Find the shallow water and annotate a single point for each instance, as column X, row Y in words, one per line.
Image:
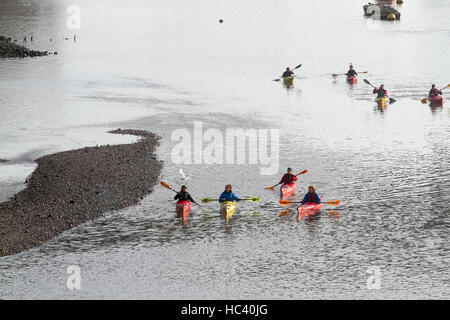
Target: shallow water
column 162, row 65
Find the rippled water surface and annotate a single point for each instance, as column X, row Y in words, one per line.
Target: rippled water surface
column 161, row 65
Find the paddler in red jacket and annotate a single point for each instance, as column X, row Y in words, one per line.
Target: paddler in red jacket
column 434, row 91
column 288, row 177
column 382, row 92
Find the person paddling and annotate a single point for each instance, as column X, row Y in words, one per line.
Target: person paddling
column 287, row 73
column 351, row 72
column 311, row 196
column 184, row 195
column 382, row 92
column 288, row 178
column 434, row 91
column 228, row 195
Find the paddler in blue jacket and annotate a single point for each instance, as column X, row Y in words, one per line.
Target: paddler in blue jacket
column 311, row 196
column 228, row 195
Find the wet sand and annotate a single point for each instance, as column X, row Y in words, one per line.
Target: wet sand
column 72, row 187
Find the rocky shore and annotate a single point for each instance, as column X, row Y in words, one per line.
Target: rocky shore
column 10, row 49
column 69, row 188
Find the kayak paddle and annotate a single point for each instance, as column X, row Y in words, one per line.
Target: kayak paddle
column 391, row 100
column 331, row 203
column 425, row 100
column 254, row 199
column 344, row 74
column 271, row 188
column 291, row 70
column 165, row 185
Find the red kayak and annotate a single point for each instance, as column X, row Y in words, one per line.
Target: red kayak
column 183, row 208
column 352, row 79
column 436, row 100
column 307, row 209
column 287, row 190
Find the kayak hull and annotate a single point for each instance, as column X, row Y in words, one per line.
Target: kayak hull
column 227, row 209
column 289, row 81
column 436, row 100
column 352, row 79
column 308, row 209
column 183, row 208
column 287, row 190
column 382, row 102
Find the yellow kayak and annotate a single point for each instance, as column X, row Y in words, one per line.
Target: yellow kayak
column 382, row 102
column 289, row 81
column 227, row 209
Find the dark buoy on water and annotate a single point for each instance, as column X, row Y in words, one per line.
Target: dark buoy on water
column 221, row 20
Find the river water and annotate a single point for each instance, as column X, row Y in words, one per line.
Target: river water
column 163, row 65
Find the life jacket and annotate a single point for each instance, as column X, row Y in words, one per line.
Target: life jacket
column 288, row 178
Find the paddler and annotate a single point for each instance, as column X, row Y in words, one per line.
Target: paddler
column 184, row 195
column 228, row 195
column 351, row 72
column 382, row 92
column 311, row 196
column 288, row 178
column 434, row 91
column 288, row 73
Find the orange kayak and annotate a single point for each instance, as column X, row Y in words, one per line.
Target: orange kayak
column 307, row 209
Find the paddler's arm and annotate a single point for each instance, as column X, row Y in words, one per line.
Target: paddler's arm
column 191, row 199
column 176, row 196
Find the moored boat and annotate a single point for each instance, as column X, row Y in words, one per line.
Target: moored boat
column 227, row 209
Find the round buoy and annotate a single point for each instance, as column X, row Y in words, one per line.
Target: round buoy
column 391, row 17
column 221, row 21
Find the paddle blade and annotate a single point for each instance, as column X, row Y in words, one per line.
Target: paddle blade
column 284, row 202
column 276, row 79
column 367, row 81
column 298, row 66
column 165, row 185
column 270, row 188
column 392, row 100
column 254, row 199
column 206, row 200
column 333, row 202
column 303, row 172
column 424, row 100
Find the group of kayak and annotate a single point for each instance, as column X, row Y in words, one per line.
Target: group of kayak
column 434, row 96
column 311, row 201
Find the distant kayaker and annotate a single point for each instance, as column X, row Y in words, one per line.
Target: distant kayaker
column 382, row 92
column 434, row 91
column 288, row 178
column 287, row 73
column 228, row 195
column 311, row 196
column 184, row 195
column 351, row 72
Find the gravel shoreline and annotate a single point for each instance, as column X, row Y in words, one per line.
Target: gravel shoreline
column 72, row 187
